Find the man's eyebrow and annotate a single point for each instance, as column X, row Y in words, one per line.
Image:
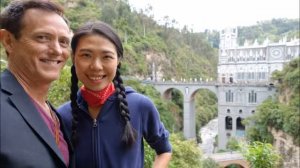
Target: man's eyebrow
column 66, row 38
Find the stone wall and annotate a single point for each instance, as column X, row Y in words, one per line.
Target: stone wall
column 289, row 151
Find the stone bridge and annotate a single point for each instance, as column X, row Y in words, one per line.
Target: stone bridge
column 189, row 89
column 229, row 158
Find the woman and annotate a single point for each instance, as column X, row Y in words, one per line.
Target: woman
column 107, row 122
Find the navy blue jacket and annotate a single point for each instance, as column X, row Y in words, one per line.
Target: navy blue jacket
column 99, row 142
column 25, row 140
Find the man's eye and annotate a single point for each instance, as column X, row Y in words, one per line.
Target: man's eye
column 42, row 38
column 64, row 43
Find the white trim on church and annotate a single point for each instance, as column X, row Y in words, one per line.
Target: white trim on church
column 252, row 63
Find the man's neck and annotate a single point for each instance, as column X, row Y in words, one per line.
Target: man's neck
column 35, row 89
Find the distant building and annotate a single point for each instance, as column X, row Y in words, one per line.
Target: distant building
column 244, row 76
column 252, row 63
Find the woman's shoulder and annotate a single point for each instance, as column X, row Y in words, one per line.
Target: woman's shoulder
column 65, row 110
column 137, row 98
column 130, row 92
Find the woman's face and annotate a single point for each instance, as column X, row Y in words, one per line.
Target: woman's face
column 96, row 61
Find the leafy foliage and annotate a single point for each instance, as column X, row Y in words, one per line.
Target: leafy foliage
column 232, row 144
column 83, row 11
column 60, row 89
column 141, row 34
column 3, row 63
column 185, row 153
column 206, row 108
column 149, row 155
column 261, row 155
column 4, row 3
column 209, row 163
column 282, row 112
column 274, row 30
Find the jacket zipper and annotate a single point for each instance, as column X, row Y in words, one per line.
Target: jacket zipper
column 95, row 143
column 95, row 123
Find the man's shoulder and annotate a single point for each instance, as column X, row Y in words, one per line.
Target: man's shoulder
column 9, row 83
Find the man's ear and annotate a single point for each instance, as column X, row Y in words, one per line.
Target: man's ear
column 7, row 40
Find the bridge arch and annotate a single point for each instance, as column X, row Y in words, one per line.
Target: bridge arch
column 233, row 100
column 167, row 94
column 241, row 163
column 230, row 158
column 188, row 91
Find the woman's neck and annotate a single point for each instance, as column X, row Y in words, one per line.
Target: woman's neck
column 94, row 111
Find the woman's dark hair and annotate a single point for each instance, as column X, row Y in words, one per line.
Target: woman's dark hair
column 12, row 16
column 102, row 29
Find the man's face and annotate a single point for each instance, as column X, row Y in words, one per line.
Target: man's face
column 42, row 49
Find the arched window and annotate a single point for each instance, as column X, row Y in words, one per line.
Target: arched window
column 252, row 97
column 228, row 123
column 229, row 96
column 231, row 79
column 239, row 125
column 223, row 78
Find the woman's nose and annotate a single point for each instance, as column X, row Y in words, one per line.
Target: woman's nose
column 96, row 64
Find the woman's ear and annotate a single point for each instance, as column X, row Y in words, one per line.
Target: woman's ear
column 73, row 58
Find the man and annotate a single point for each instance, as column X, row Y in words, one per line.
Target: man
column 36, row 39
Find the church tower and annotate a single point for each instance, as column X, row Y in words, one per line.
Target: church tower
column 228, row 40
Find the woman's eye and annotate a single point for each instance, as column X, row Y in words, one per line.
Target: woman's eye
column 86, row 55
column 108, row 57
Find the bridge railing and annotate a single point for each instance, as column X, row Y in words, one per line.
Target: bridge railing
column 210, row 83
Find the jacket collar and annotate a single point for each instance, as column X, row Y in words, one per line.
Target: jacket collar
column 23, row 104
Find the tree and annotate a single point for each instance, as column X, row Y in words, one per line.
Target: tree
column 282, row 111
column 185, row 153
column 232, row 144
column 209, row 163
column 60, row 89
column 261, row 155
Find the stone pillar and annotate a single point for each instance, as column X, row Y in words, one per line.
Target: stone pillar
column 221, row 131
column 233, row 133
column 189, row 126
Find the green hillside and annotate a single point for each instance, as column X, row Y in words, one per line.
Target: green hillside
column 176, row 53
column 281, row 112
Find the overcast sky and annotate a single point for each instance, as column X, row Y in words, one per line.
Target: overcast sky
column 219, row 14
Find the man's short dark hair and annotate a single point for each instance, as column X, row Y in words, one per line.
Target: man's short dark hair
column 12, row 16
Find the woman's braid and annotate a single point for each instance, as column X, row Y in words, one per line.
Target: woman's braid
column 74, row 105
column 129, row 135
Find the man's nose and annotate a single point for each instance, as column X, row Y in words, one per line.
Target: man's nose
column 56, row 48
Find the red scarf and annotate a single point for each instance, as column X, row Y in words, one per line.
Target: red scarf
column 97, row 98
